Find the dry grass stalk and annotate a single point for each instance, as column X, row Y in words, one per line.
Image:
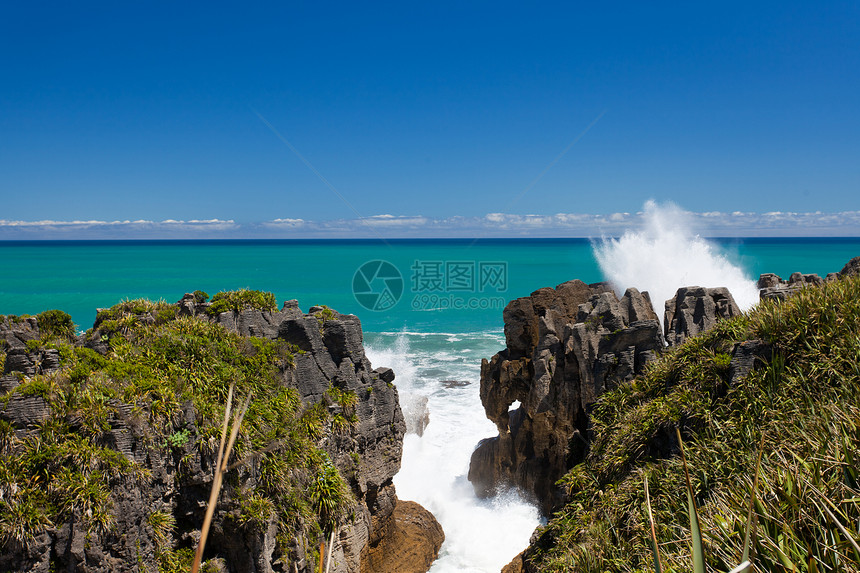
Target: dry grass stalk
column 220, row 469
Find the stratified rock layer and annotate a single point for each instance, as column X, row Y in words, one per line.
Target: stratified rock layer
column 693, row 310
column 565, row 347
column 771, row 286
column 851, row 268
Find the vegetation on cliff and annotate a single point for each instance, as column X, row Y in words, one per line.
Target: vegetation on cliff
column 803, row 396
column 167, row 376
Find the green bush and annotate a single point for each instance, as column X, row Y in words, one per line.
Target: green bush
column 242, row 299
column 55, row 324
column 124, row 317
column 179, row 438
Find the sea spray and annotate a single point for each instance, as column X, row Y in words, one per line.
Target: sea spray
column 481, row 536
column 664, row 255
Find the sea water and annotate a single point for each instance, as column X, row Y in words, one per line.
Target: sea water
column 439, row 318
column 443, row 368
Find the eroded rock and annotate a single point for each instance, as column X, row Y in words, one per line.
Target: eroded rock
column 566, row 346
column 772, row 286
column 410, row 545
column 693, row 310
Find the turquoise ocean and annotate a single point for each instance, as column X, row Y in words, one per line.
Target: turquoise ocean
column 438, row 312
column 80, row 276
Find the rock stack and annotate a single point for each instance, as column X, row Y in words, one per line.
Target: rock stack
column 565, row 347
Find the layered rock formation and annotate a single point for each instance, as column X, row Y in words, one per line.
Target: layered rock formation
column 565, row 347
column 851, row 268
column 694, row 310
column 557, row 371
column 772, row 286
column 577, row 538
column 328, row 353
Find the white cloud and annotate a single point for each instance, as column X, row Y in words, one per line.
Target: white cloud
column 95, row 229
column 285, row 223
column 399, row 221
column 710, row 224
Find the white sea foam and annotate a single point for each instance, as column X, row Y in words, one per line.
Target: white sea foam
column 481, row 536
column 666, row 254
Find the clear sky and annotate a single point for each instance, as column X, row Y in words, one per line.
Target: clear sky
column 227, row 116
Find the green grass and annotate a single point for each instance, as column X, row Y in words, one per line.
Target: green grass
column 806, row 399
column 156, row 363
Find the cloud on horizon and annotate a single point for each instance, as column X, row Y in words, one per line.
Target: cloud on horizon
column 491, row 225
column 139, row 229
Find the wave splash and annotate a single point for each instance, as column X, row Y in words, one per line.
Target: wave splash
column 665, row 255
column 440, row 379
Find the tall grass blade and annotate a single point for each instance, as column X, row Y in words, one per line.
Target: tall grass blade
column 749, row 526
column 839, row 525
column 658, row 566
column 698, row 548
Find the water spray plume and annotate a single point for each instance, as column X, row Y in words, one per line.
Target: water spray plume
column 664, row 255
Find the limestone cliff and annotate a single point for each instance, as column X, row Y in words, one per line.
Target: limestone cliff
column 565, row 347
column 160, row 449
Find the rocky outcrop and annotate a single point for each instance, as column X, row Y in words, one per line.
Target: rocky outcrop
column 851, row 268
column 410, row 543
column 328, row 353
column 771, row 286
column 548, row 433
column 565, row 347
column 21, row 359
column 694, row 310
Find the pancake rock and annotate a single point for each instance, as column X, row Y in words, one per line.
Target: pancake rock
column 693, row 310
column 565, row 347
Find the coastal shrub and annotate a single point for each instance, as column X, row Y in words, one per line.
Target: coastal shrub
column 200, row 296
column 803, row 398
column 255, row 509
column 124, row 317
column 329, row 495
column 242, row 299
column 53, row 474
column 323, row 316
column 179, row 438
column 55, row 324
column 175, row 560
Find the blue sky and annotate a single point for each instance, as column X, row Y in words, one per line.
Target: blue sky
column 429, row 119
